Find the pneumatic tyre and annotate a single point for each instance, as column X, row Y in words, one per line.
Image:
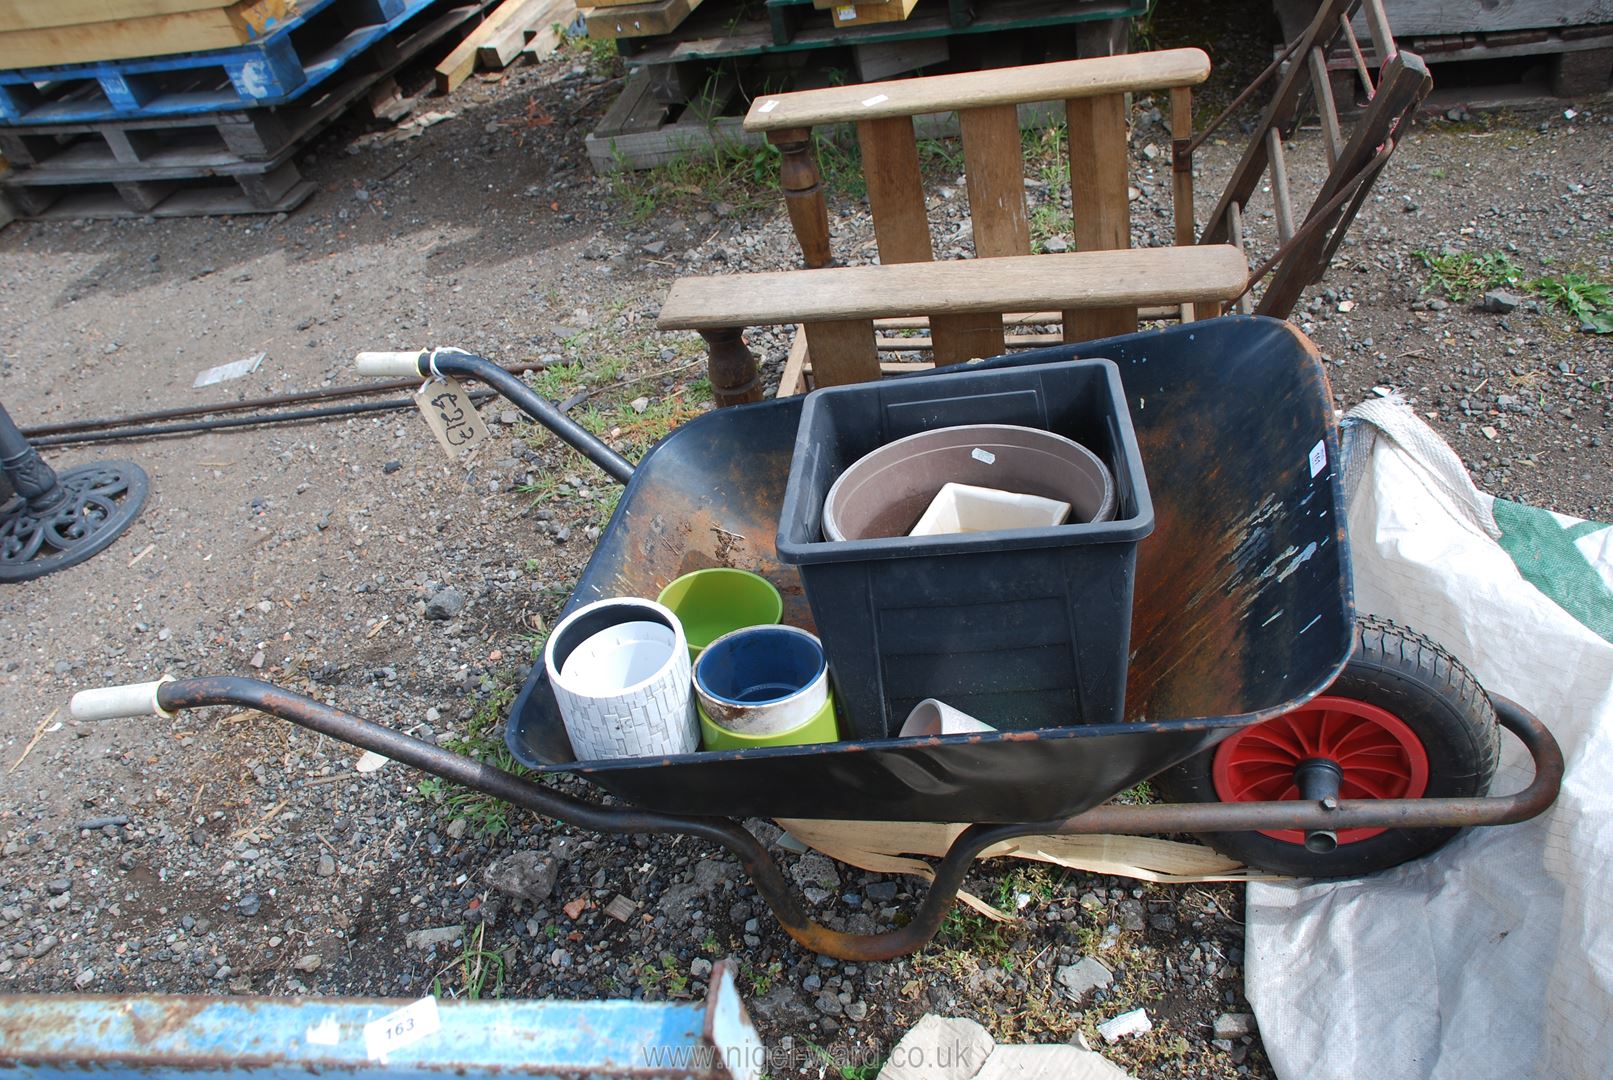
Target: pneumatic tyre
column 1404, row 719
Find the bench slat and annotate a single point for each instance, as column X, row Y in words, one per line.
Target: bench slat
column 1070, row 282
column 1059, row 81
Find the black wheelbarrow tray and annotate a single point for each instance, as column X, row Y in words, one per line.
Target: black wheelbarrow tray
column 1242, row 611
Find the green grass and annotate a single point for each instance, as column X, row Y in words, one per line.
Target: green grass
column 600, row 54
column 480, row 971
column 667, row 976
column 482, row 739
column 1463, row 275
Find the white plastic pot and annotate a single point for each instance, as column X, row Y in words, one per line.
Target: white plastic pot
column 620, row 673
column 932, row 717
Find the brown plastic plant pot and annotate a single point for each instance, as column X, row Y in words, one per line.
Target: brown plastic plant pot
column 884, row 493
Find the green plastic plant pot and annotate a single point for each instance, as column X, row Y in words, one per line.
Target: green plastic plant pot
column 821, row 728
column 714, row 602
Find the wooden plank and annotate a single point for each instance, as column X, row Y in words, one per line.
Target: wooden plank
column 842, row 350
column 869, row 14
column 1096, row 77
column 1099, row 203
column 792, row 380
column 918, row 344
column 994, row 168
column 457, row 66
column 890, row 163
column 499, row 51
column 882, row 59
column 1326, row 107
column 1281, row 200
column 157, row 35
column 1078, row 280
column 34, row 15
column 638, row 20
column 901, row 225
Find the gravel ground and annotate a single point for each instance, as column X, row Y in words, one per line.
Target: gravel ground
column 221, row 852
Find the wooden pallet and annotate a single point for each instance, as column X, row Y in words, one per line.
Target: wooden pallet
column 238, row 162
column 714, row 34
column 649, row 19
column 274, row 71
column 265, row 193
column 1562, row 60
column 154, row 29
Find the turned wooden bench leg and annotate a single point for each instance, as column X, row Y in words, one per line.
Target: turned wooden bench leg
column 731, row 367
column 803, row 194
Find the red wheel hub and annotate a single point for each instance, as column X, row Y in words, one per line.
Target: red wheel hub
column 1380, row 757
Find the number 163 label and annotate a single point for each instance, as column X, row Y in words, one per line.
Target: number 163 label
column 400, row 1028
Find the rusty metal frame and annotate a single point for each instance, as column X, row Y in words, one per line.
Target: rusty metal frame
column 1305, row 249
column 769, row 879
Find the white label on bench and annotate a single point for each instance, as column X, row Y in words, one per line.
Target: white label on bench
column 400, row 1028
column 767, row 106
column 1318, row 458
column 875, row 100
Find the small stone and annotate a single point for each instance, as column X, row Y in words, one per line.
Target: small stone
column 856, row 1010
column 699, row 967
column 391, row 467
column 829, row 1005
column 1234, row 1025
column 1084, row 976
column 456, row 828
column 525, row 875
column 308, row 964
column 43, row 946
column 445, row 604
column 640, row 404
column 1500, row 302
column 249, row 904
column 655, row 247
column 1129, row 914
column 84, row 978
column 1055, row 245
column 327, row 865
column 881, row 892
column 437, row 935
column 57, row 886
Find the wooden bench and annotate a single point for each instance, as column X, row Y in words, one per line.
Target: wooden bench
column 1097, row 290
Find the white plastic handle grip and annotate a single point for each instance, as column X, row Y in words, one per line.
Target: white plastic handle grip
column 115, row 702
column 400, row 365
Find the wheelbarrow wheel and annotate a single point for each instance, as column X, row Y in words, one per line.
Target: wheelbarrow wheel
column 1404, row 719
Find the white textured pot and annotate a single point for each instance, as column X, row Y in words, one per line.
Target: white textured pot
column 620, row 673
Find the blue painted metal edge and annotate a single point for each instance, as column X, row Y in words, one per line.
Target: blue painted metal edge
column 59, row 1036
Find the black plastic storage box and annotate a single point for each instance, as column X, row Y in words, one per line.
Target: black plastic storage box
column 1022, row 629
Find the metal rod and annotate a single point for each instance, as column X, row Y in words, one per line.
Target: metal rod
column 1238, row 102
column 272, row 402
column 536, row 406
column 950, row 871
column 297, row 415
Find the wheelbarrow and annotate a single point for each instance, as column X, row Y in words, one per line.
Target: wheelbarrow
column 1242, row 615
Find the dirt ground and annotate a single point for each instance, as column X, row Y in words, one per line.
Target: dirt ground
column 347, row 559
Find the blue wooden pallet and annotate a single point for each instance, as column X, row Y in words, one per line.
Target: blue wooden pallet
column 281, row 67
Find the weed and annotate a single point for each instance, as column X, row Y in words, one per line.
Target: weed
column 1591, row 302
column 599, row 54
column 482, row 739
column 1462, row 274
column 761, row 981
column 481, row 971
column 864, row 1070
column 709, row 944
column 1436, row 173
column 667, row 975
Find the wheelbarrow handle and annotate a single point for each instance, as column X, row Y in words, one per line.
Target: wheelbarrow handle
column 446, row 361
column 166, row 697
